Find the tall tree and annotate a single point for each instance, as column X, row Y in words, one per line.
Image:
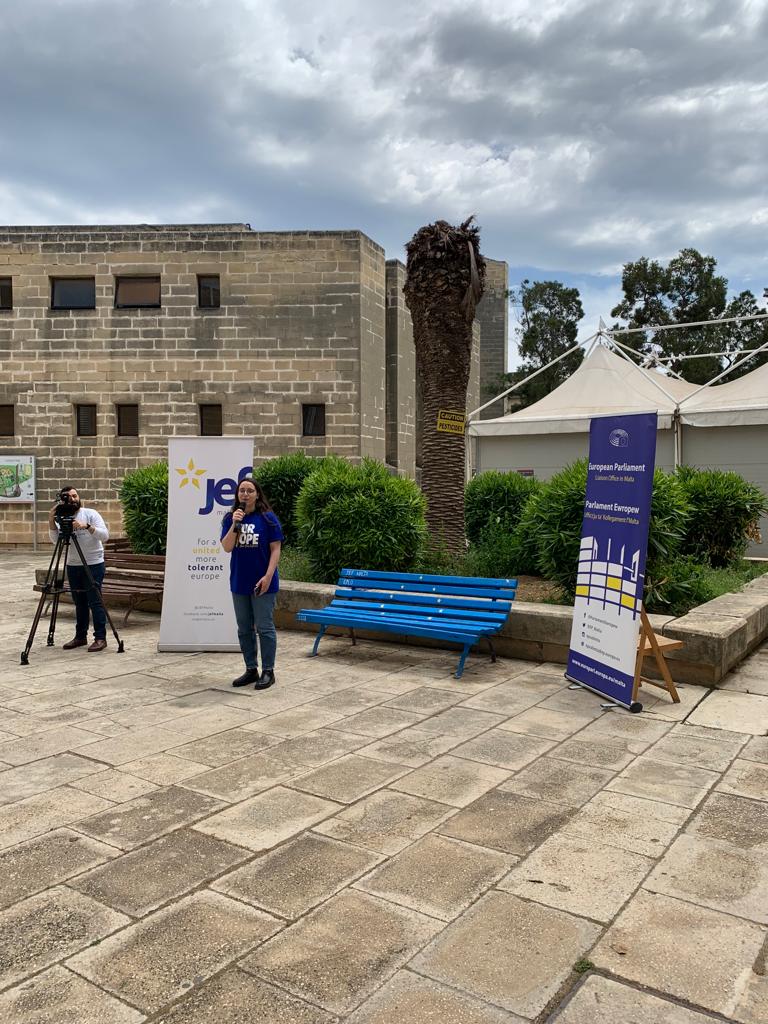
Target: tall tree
column 445, row 279
column 549, row 315
column 740, row 337
column 687, row 290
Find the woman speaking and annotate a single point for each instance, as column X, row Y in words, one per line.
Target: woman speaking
column 252, row 533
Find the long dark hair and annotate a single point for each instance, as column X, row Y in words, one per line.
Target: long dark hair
column 262, row 503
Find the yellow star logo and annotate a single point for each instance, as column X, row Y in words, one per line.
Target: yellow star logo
column 190, row 475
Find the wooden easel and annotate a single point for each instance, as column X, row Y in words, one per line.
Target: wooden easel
column 649, row 644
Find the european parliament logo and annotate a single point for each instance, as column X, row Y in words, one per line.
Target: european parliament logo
column 609, row 581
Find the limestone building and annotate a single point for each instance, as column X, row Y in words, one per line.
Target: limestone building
column 113, row 338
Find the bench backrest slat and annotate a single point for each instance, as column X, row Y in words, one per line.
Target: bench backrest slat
column 428, row 600
column 370, row 575
column 451, row 589
column 422, row 611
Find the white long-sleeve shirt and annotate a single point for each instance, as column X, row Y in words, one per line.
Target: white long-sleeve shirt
column 92, row 544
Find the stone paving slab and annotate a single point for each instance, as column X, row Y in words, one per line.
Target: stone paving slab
column 47, row 927
column 58, row 996
column 29, row 868
column 294, row 878
column 167, row 868
column 370, row 939
column 714, row 874
column 157, row 960
column 508, row 952
column 415, row 1000
column 604, row 1001
column 707, row 969
column 372, row 840
column 437, row 876
column 236, row 997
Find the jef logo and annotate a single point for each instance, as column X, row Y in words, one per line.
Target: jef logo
column 222, row 492
column 191, row 475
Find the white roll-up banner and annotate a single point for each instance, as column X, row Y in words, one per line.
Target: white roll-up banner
column 203, row 474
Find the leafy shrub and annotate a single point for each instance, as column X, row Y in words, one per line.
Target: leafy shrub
column 549, row 532
column 495, row 499
column 525, row 539
column 282, row 479
column 675, row 586
column 725, row 511
column 359, row 517
column 494, row 555
column 144, row 497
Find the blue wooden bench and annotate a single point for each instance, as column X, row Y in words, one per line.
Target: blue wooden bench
column 458, row 609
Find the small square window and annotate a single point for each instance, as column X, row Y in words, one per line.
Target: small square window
column 313, row 420
column 73, row 293
column 86, row 420
column 210, row 421
column 127, row 421
column 6, row 293
column 137, row 292
column 7, row 421
column 209, row 291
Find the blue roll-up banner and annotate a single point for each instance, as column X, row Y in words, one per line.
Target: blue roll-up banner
column 614, row 541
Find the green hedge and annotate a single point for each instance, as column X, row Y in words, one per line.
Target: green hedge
column 549, row 532
column 359, row 517
column 725, row 512
column 494, row 500
column 282, row 479
column 144, row 497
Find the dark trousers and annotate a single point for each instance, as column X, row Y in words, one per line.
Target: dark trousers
column 86, row 601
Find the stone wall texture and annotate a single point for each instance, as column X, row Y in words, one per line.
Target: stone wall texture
column 313, row 317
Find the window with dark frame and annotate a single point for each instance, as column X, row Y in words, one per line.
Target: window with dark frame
column 73, row 293
column 313, row 420
column 211, row 424
column 6, row 293
column 7, row 421
column 137, row 292
column 86, row 420
column 127, row 421
column 209, row 291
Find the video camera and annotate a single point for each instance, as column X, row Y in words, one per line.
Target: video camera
column 65, row 513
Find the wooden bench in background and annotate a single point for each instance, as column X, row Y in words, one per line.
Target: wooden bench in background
column 129, row 579
column 456, row 609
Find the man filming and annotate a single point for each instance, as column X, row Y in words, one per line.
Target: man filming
column 91, row 531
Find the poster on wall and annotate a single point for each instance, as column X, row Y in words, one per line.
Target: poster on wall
column 614, row 541
column 17, row 478
column 203, row 473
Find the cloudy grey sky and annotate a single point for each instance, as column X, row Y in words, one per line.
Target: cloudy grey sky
column 582, row 133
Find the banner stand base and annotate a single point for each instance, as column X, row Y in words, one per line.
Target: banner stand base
column 634, row 707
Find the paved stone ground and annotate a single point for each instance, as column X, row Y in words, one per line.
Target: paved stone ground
column 371, row 840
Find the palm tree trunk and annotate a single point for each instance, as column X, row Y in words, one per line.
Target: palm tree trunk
column 445, row 281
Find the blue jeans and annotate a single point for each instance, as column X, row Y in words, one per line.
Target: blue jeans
column 85, row 601
column 254, row 616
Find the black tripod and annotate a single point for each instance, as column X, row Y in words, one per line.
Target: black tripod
column 53, row 587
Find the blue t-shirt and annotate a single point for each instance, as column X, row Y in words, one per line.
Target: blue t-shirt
column 250, row 556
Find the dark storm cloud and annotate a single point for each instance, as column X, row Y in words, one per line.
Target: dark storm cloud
column 583, row 134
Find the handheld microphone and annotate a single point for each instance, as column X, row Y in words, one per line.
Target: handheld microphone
column 238, row 526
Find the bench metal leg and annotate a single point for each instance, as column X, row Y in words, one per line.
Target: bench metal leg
column 493, row 649
column 462, row 659
column 354, row 638
column 317, row 641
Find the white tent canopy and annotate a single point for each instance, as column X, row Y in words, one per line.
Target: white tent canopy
column 604, row 384
column 743, row 402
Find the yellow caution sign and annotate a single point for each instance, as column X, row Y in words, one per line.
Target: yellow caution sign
column 449, row 422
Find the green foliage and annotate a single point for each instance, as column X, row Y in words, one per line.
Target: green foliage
column 282, row 479
column 676, row 585
column 494, row 499
column 294, row 565
column 359, row 517
column 548, row 322
column 494, row 555
column 725, row 511
column 144, row 497
column 549, row 533
column 688, row 290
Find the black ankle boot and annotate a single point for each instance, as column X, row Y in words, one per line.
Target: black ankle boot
column 267, row 679
column 251, row 675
